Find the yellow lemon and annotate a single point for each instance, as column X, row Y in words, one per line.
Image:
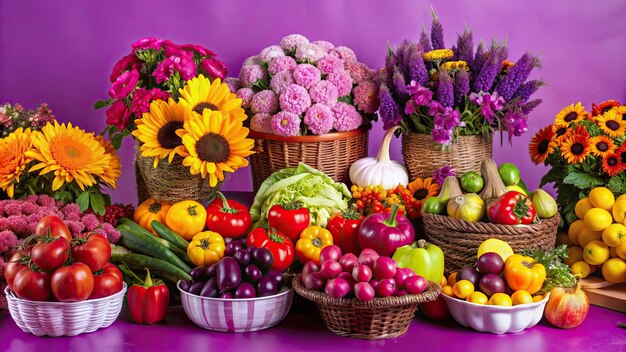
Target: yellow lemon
column 574, row 229
column 598, row 219
column 614, row 235
column 447, row 290
column 575, row 253
column 602, row 197
column 619, row 210
column 622, row 197
column 581, row 268
column 452, row 279
column 596, row 252
column 537, row 298
column 521, row 297
column 621, row 250
column 500, row 299
column 463, row 288
column 477, row 297
column 614, row 270
column 585, row 236
column 582, row 206
column 497, row 246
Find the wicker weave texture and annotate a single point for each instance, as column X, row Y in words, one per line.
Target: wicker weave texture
column 333, row 154
column 422, row 156
column 379, row 318
column 459, row 239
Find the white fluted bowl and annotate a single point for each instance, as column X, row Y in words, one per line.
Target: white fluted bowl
column 496, row 319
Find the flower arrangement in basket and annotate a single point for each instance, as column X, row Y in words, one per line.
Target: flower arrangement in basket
column 172, row 100
column 456, row 96
column 584, row 150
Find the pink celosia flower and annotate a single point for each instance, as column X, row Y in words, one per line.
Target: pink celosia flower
column 264, row 102
column 147, row 43
column 90, row 221
column 129, row 61
column 280, row 64
column 28, row 208
column 309, row 53
column 286, row 124
column 250, row 74
column 307, row 75
column 329, row 64
column 75, row 227
column 342, row 81
column 45, row 200
column 295, row 99
column 323, row 44
column 143, row 97
column 7, row 240
column 261, row 123
column 366, row 97
column 118, row 115
column 17, row 224
column 344, row 53
column 271, row 52
column 124, row 84
column 214, row 68
column 280, row 81
column 291, row 42
column 325, row 93
column 13, row 208
column 245, row 94
column 232, row 83
column 346, row 117
column 319, row 118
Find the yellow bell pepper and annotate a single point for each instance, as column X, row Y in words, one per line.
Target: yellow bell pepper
column 522, row 273
column 206, row 248
column 311, row 242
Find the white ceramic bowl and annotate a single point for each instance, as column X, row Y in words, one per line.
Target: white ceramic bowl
column 496, row 319
column 236, row 315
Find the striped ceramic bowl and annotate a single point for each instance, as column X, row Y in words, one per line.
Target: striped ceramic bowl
column 236, row 315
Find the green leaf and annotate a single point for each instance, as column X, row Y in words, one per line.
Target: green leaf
column 582, row 180
column 107, row 199
column 97, row 203
column 617, row 185
column 83, row 201
column 63, row 196
column 345, row 99
column 554, row 175
column 103, row 103
column 116, row 140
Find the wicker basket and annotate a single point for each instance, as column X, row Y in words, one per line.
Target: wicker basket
column 379, row 318
column 459, row 239
column 422, row 156
column 63, row 318
column 331, row 153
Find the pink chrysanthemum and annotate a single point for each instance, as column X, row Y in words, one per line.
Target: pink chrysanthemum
column 7, row 240
column 325, row 93
column 358, row 71
column 90, row 221
column 232, row 83
column 264, row 102
column 309, row 53
column 252, row 60
column 344, row 53
column 346, row 117
column 295, row 99
column 280, row 64
column 251, row 74
column 271, row 52
column 261, row 123
column 366, row 97
column 319, row 118
column 342, row 81
column 245, row 94
column 286, row 124
column 329, row 64
column 291, row 42
column 281, row 81
column 307, row 75
column 323, row 44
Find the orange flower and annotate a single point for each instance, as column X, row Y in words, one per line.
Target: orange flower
column 542, row 145
column 611, row 165
column 575, row 148
column 603, row 107
column 602, row 146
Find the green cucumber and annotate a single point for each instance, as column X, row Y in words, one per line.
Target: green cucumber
column 180, row 253
column 148, row 244
column 169, row 235
column 118, row 252
column 177, row 251
column 140, row 262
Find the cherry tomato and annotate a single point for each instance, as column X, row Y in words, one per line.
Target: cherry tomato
column 14, row 265
column 55, row 226
column 31, row 284
column 106, row 282
column 72, row 283
column 50, row 253
column 92, row 249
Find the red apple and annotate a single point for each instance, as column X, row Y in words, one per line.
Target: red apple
column 567, row 308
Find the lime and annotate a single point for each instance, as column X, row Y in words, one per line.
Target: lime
column 472, row 182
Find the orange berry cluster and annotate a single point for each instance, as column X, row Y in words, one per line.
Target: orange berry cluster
column 376, row 199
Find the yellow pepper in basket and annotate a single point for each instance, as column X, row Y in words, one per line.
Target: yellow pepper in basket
column 206, row 248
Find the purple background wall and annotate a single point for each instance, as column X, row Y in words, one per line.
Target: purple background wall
column 61, row 52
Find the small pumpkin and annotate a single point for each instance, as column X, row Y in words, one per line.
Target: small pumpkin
column 380, row 170
column 151, row 209
column 469, row 207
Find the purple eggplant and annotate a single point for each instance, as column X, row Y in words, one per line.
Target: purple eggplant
column 210, row 270
column 228, row 274
column 266, row 287
column 263, row 258
column 198, row 274
column 253, row 273
column 232, row 247
column 210, row 288
column 245, row 290
column 278, row 278
column 185, row 285
column 242, row 257
column 196, row 287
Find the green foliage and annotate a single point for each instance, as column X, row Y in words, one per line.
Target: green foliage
column 557, row 272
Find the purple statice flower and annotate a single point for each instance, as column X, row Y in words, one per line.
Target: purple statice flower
column 344, row 53
column 319, row 118
column 465, row 47
column 281, row 80
column 346, row 117
column 442, row 136
column 445, row 89
column 388, row 111
column 489, row 104
column 517, row 74
column 479, row 60
column 90, row 221
column 436, row 34
column 291, row 42
column 399, row 85
column 517, row 123
column 366, row 96
column 417, row 68
column 325, row 93
column 8, row 240
column 489, row 72
column 286, row 124
column 295, row 99
column 251, row 74
column 261, row 123
column 323, row 44
column 307, row 75
column 232, row 83
column 461, row 86
column 271, row 52
column 264, row 102
column 245, row 94
column 425, row 41
column 420, row 96
column 527, row 89
column 530, row 106
column 329, row 64
column 342, row 81
column 309, row 53
column 440, row 174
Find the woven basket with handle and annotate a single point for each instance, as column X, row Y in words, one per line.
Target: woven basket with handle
column 379, row 318
column 422, row 156
column 460, row 239
column 331, row 153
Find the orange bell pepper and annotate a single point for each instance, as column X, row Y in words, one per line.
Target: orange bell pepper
column 311, row 242
column 522, row 273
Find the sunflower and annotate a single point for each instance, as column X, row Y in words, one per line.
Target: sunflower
column 569, row 114
column 602, row 146
column 611, row 165
column 71, row 153
column 216, row 144
column 611, row 123
column 620, row 110
column 575, row 148
column 200, row 94
column 113, row 171
column 157, row 130
column 423, row 188
column 13, row 158
column 603, row 107
column 455, row 65
column 542, row 145
column 561, row 133
column 438, row 55
column 621, row 154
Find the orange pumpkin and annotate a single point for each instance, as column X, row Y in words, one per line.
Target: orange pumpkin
column 151, row 209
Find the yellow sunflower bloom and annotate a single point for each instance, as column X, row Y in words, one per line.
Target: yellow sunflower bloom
column 571, row 113
column 70, row 153
column 156, row 130
column 13, row 158
column 602, row 146
column 423, row 188
column 603, row 107
column 611, row 123
column 200, row 94
column 455, row 65
column 438, row 55
column 575, row 148
column 542, row 145
column 216, row 144
column 114, row 170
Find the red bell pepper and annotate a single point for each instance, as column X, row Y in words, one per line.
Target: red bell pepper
column 344, row 227
column 278, row 244
column 229, row 218
column 290, row 219
column 148, row 302
column 512, row 208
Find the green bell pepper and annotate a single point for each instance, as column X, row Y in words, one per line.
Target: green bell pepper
column 424, row 258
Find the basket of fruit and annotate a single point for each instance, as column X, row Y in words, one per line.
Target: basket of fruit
column 491, row 205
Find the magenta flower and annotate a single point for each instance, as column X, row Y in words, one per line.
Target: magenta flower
column 184, row 64
column 17, row 224
column 366, row 97
column 291, row 42
column 280, row 81
column 489, row 104
column 128, row 62
column 232, row 83
column 261, row 123
column 280, row 64
column 147, row 43
column 329, row 64
column 420, row 96
column 286, row 124
column 440, row 174
column 90, row 221
column 271, row 52
column 346, row 117
column 441, row 135
column 118, row 115
column 309, row 53
column 171, row 49
column 214, row 68
column 344, row 53
column 45, row 200
column 8, row 240
column 71, row 208
column 264, row 102
column 323, row 44
column 143, row 97
column 202, row 51
column 325, row 93
column 295, row 99
column 358, row 71
column 307, row 75
column 251, row 74
column 517, row 123
column 75, row 227
column 245, row 94
column 342, row 81
column 124, row 84
column 319, row 118
column 28, row 208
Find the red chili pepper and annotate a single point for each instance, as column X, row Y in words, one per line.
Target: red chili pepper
column 148, row 303
column 290, row 219
column 344, row 227
column 278, row 244
column 512, row 208
column 229, row 218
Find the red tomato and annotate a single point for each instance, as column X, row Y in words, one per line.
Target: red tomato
column 50, row 253
column 107, row 282
column 72, row 283
column 55, row 226
column 32, row 285
column 14, row 265
column 92, row 249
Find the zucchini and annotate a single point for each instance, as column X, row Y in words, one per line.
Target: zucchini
column 118, row 252
column 140, row 262
column 180, row 253
column 147, row 244
column 177, row 251
column 169, row 235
